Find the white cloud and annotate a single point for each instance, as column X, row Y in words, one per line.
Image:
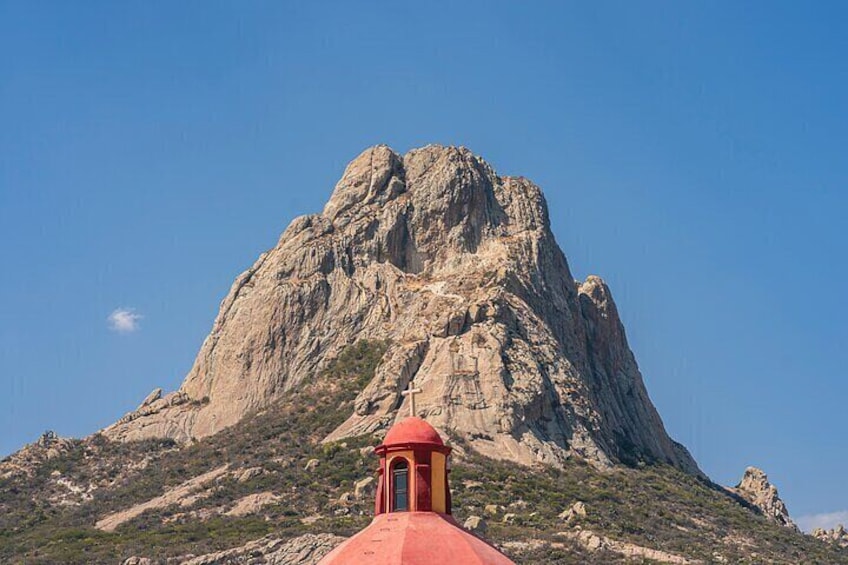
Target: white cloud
column 827, row 520
column 124, row 320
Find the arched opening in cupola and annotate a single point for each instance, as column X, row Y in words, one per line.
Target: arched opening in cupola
column 400, row 486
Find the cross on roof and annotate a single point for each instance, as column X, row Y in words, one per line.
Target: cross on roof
column 411, row 392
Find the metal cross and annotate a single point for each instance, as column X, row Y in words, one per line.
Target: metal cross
column 411, row 392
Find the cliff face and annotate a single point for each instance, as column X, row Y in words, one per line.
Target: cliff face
column 457, row 270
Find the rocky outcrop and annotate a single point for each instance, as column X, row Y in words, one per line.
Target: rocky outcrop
column 27, row 460
column 252, row 503
column 457, row 269
column 183, row 495
column 756, row 489
column 595, row 542
column 307, row 549
column 837, row 536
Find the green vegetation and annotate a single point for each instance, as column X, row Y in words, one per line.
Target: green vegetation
column 651, row 506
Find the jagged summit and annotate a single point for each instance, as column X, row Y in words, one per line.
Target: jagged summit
column 429, row 222
column 457, row 270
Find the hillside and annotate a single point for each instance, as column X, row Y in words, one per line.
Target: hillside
column 270, row 478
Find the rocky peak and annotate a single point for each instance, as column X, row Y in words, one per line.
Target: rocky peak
column 456, row 268
column 373, row 178
column 756, row 489
column 432, row 204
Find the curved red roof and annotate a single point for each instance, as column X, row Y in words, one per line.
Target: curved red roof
column 412, row 430
column 415, row 538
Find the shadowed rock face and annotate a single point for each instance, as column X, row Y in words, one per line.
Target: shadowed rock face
column 457, row 268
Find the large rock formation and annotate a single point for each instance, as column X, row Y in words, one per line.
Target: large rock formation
column 756, row 489
column 457, row 269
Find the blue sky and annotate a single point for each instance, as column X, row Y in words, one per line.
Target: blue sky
column 692, row 155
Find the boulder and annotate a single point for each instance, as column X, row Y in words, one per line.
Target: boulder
column 364, row 488
column 574, row 512
column 155, row 395
column 476, row 524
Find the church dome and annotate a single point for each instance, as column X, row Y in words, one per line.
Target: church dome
column 415, row 538
column 412, row 430
column 412, row 512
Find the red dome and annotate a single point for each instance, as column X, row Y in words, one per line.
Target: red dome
column 415, row 538
column 412, row 430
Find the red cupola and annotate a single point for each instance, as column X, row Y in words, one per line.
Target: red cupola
column 413, row 523
column 413, row 474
